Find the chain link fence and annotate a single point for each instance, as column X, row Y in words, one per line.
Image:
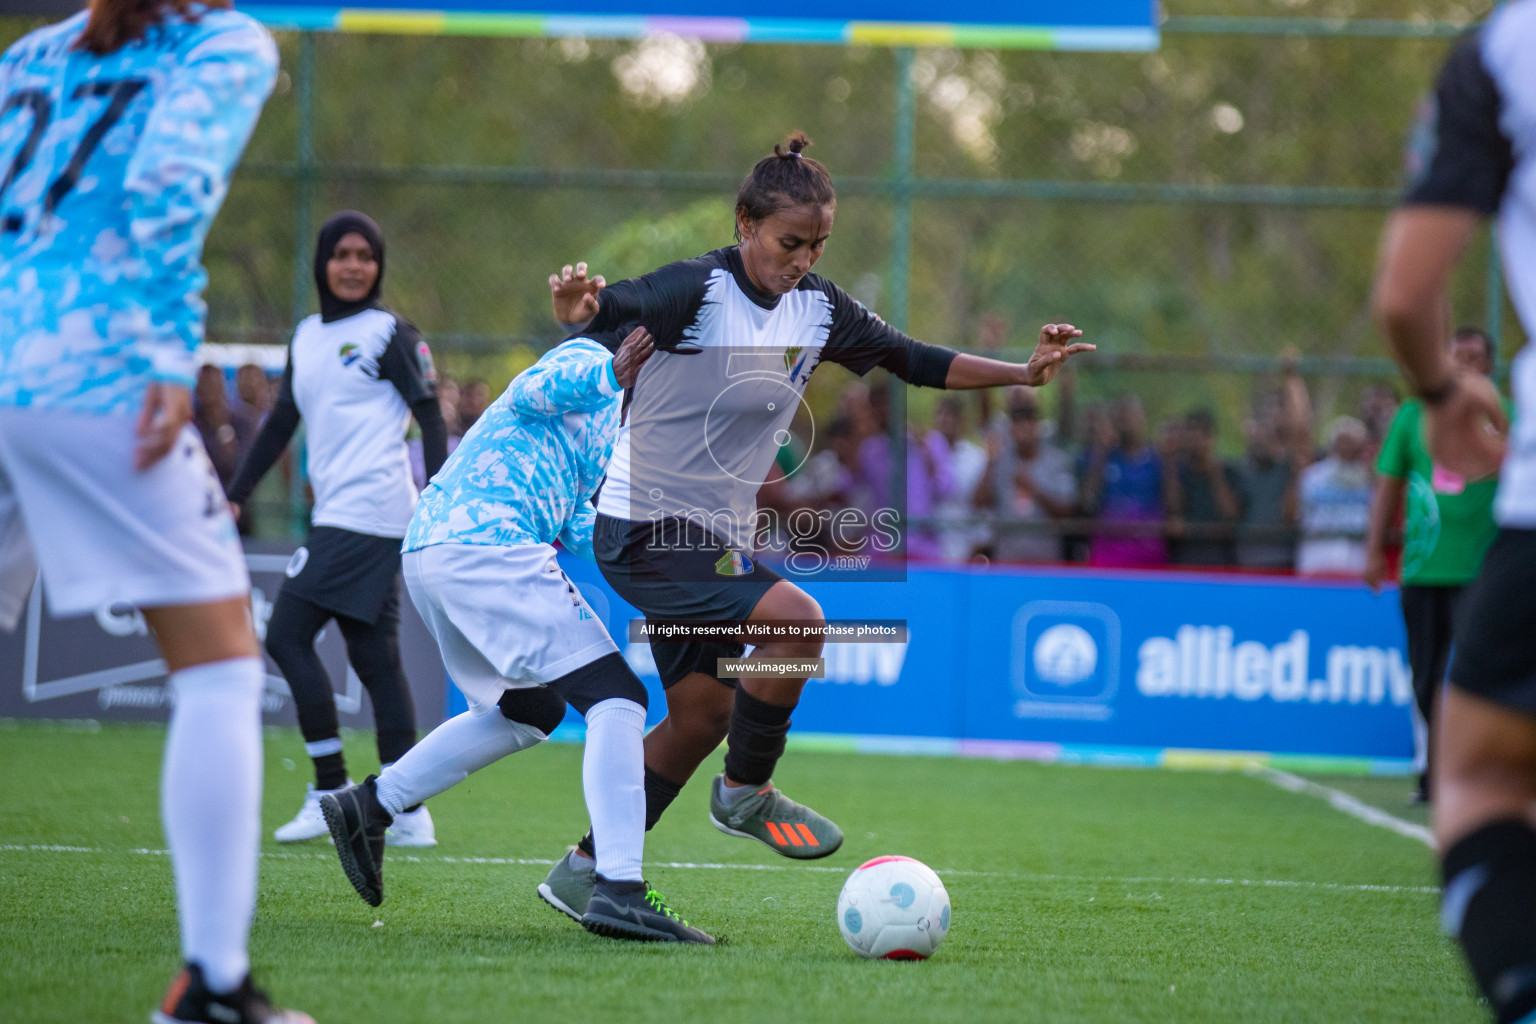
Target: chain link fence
column 1197, row 211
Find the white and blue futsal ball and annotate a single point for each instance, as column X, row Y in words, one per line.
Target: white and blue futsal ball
column 893, row 908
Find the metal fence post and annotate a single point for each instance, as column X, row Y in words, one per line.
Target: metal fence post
column 303, row 230
column 1493, row 315
column 902, row 175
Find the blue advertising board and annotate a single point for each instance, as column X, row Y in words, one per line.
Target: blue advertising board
column 1057, row 665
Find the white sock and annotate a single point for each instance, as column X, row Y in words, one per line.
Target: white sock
column 613, row 777
column 210, row 802
column 449, row 755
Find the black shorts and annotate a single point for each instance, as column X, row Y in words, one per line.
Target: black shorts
column 356, row 575
column 1495, row 654
column 676, row 569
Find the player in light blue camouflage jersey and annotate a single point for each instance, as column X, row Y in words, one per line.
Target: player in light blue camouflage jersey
column 515, row 633
column 526, row 471
column 119, row 130
column 113, row 168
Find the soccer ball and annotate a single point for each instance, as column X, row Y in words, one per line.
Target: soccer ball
column 893, row 908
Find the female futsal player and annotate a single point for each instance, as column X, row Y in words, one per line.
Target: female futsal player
column 356, row 374
column 738, row 333
column 515, row 633
column 147, row 104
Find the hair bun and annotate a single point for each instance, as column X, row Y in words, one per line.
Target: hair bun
column 792, row 146
column 786, row 177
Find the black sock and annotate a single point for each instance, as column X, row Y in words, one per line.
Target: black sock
column 1490, row 905
column 659, row 794
column 330, row 771
column 393, row 744
column 756, row 740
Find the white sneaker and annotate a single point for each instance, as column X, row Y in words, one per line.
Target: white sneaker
column 309, row 823
column 413, row 829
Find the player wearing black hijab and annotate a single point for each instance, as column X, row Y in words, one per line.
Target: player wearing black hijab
column 356, row 373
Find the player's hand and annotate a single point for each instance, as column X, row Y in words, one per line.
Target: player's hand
column 234, row 510
column 637, row 348
column 574, row 294
column 1466, row 432
column 1375, row 570
column 167, row 408
column 1052, row 351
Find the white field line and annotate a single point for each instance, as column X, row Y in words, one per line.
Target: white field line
column 1023, row 876
column 1356, row 809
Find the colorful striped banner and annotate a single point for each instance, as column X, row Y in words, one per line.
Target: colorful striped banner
column 303, row 17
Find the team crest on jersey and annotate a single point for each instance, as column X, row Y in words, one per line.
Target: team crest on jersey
column 733, row 563
column 350, row 354
column 794, row 361
column 424, row 362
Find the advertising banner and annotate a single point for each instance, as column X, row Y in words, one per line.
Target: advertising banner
column 1051, row 665
column 1102, row 667
column 105, row 666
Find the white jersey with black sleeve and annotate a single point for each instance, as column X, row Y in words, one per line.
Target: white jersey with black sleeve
column 1481, row 136
column 354, row 381
column 700, row 431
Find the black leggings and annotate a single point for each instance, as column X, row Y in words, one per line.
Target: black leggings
column 374, row 651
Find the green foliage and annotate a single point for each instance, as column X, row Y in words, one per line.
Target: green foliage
column 485, row 160
column 644, row 243
column 496, row 366
column 1080, row 895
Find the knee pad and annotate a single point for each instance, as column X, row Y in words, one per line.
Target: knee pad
column 538, row 706
column 607, row 677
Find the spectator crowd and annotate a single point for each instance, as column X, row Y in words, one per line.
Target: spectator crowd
column 1100, row 486
column 1094, row 485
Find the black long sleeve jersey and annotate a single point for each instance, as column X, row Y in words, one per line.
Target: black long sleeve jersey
column 701, row 430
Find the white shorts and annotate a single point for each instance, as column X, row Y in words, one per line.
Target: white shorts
column 103, row 532
column 504, row 617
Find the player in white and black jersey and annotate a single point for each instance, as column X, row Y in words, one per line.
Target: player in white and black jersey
column 357, row 372
column 1477, row 159
column 738, row 332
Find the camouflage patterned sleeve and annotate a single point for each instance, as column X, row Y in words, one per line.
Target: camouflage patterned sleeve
column 576, row 376
column 179, row 175
column 577, row 534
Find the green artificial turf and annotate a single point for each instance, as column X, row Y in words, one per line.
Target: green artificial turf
column 1080, row 894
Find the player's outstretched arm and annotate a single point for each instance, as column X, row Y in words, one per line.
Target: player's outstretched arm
column 1464, row 418
column 1057, row 344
